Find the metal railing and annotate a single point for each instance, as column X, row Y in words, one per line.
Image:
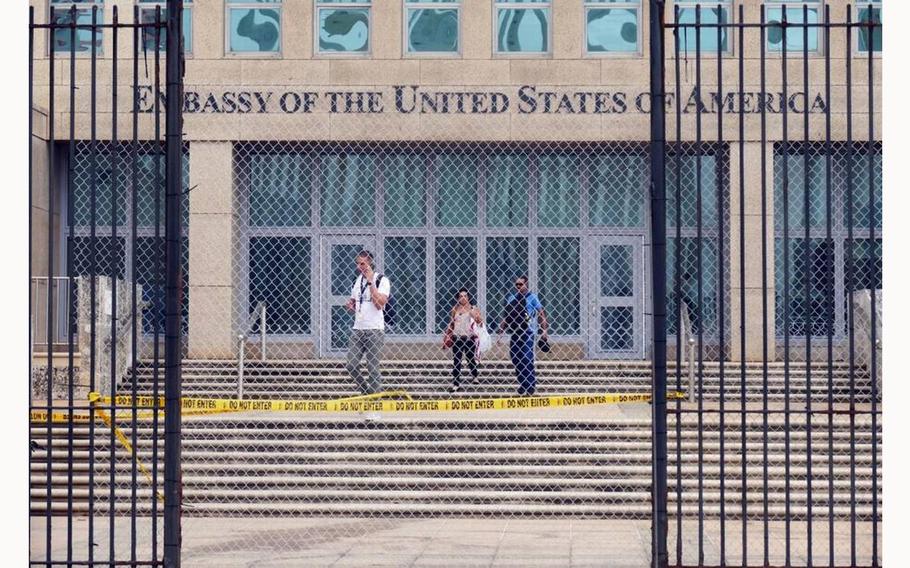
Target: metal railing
column 687, row 343
column 258, row 313
column 39, row 307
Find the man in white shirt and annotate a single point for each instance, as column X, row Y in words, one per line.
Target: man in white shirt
column 368, row 298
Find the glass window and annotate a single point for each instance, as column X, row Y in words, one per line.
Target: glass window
column 558, row 203
column 279, row 191
column 280, row 270
column 863, row 166
column 795, row 40
column 507, row 259
column 797, row 177
column 404, row 181
column 343, row 26
column 348, row 190
column 559, row 289
column 818, row 314
column 694, row 174
column 507, row 191
column 456, row 190
column 147, row 13
column 869, row 11
column 618, row 189
column 149, row 260
column 611, row 26
column 432, row 26
column 456, row 267
column 253, row 26
column 63, row 15
column 523, row 26
column 710, row 14
column 405, row 263
column 705, row 313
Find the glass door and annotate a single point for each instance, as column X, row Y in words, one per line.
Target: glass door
column 338, row 272
column 617, row 303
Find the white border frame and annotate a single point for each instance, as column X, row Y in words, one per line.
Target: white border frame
column 406, row 5
column 80, row 7
column 228, row 6
column 548, row 5
column 359, row 4
column 817, row 5
column 856, row 7
column 619, row 5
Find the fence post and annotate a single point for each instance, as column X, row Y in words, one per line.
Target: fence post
column 659, row 519
column 173, row 351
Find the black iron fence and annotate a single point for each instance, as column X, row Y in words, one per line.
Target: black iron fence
column 116, row 510
column 796, row 467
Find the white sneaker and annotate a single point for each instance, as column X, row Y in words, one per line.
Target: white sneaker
column 372, row 416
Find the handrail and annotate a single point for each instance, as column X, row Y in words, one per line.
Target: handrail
column 258, row 313
column 687, row 341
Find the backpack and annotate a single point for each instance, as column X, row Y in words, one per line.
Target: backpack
column 517, row 320
column 388, row 311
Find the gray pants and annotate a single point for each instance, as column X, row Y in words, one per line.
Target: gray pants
column 365, row 344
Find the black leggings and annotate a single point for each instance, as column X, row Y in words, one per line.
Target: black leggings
column 463, row 345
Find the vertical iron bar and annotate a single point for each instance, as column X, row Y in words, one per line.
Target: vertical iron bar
column 174, row 295
column 135, row 301
column 851, row 337
column 114, row 274
column 718, row 175
column 829, row 273
column 71, row 297
column 93, row 180
column 764, row 282
column 742, row 284
column 873, row 367
column 50, row 280
column 808, row 320
column 677, row 256
column 698, row 269
column 786, row 205
column 157, row 284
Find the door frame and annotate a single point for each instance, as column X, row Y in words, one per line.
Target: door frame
column 324, row 295
column 637, row 303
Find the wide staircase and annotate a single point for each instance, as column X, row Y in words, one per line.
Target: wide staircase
column 482, row 463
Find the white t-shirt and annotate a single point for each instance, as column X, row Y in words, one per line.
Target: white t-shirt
column 366, row 314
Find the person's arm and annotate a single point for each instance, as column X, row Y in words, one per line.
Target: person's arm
column 542, row 316
column 379, row 299
column 478, row 318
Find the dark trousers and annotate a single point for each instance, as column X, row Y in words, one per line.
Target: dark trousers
column 521, row 351
column 463, row 345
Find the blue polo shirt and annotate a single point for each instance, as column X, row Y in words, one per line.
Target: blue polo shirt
column 532, row 305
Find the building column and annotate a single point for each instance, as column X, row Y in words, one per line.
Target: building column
column 211, row 257
column 752, row 221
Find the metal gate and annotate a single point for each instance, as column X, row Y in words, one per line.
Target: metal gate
column 785, row 470
column 105, row 227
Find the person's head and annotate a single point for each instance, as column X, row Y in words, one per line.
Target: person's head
column 521, row 284
column 364, row 260
column 463, row 297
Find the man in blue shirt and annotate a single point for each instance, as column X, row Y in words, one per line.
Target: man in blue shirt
column 523, row 309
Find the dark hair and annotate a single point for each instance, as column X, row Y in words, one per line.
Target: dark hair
column 524, row 278
column 465, row 290
column 367, row 255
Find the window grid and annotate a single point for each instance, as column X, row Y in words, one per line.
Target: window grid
column 343, row 28
column 506, row 32
column 257, row 23
column 627, row 32
column 417, row 18
column 60, row 39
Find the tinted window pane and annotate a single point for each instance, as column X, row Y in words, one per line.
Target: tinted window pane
column 255, row 30
column 558, row 196
column 280, row 277
column 708, row 35
column 63, row 38
column 456, row 267
column 405, row 264
column 279, row 190
column 405, row 190
column 617, row 190
column 348, row 192
column 612, row 30
column 523, row 30
column 344, row 30
column 507, row 259
column 432, row 30
column 559, row 267
column 507, row 196
column 875, row 15
column 456, row 193
column 795, row 37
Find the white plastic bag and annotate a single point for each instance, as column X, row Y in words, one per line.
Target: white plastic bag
column 484, row 342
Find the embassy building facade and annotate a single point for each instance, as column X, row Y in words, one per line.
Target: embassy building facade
column 465, row 143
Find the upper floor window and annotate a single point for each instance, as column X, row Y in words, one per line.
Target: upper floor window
column 253, row 26
column 612, row 26
column 798, row 13
column 866, row 11
column 707, row 16
column 62, row 40
column 523, row 26
column 432, row 26
column 343, row 26
column 147, row 11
